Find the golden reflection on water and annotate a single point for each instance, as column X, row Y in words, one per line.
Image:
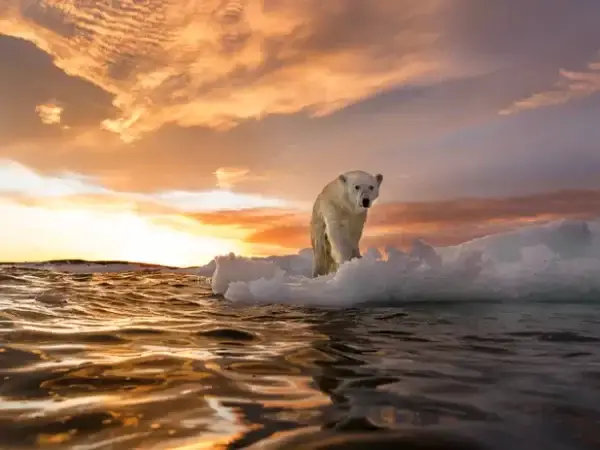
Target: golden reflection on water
column 143, row 361
column 153, row 361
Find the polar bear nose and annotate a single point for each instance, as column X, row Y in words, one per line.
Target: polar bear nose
column 366, row 202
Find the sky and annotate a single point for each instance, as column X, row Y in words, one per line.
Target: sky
column 169, row 131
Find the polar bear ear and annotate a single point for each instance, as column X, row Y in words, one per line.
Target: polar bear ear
column 343, row 178
column 379, row 179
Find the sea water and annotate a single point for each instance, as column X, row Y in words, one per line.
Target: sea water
column 489, row 345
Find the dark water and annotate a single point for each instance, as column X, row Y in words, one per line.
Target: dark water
column 152, row 361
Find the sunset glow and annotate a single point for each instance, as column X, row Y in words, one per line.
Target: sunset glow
column 170, row 132
column 56, row 233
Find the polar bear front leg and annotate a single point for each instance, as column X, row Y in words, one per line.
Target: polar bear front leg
column 341, row 250
column 356, row 253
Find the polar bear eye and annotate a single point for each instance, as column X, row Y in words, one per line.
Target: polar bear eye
column 357, row 187
column 371, row 188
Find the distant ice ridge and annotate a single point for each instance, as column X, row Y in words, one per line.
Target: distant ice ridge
column 558, row 260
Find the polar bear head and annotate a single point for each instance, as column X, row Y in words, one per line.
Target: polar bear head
column 361, row 188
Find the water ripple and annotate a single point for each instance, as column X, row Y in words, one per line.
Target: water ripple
column 151, row 360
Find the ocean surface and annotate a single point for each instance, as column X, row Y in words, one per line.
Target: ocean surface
column 153, row 360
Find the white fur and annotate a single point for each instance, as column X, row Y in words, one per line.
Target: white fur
column 338, row 219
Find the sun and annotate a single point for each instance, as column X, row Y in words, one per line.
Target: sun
column 167, row 246
column 85, row 231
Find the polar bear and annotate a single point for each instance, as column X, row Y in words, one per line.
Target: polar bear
column 338, row 217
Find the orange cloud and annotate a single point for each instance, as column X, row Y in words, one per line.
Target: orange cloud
column 249, row 217
column 570, row 86
column 228, row 177
column 567, row 203
column 49, row 113
column 277, row 230
column 441, row 223
column 215, row 63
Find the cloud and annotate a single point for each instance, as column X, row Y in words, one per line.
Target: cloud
column 228, row 177
column 567, row 203
column 445, row 135
column 275, row 230
column 50, row 113
column 217, row 200
column 253, row 218
column 217, row 63
column 572, row 85
column 21, row 181
column 16, row 178
column 441, row 223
